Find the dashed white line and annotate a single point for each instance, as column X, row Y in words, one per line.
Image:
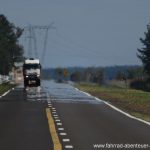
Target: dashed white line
column 61, row 129
column 57, row 120
column 63, row 133
column 69, row 147
column 56, row 117
column 59, row 124
column 66, row 140
column 53, row 112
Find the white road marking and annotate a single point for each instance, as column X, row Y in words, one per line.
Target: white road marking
column 56, row 117
column 53, row 112
column 98, row 99
column 87, row 94
column 119, row 110
column 57, row 120
column 66, row 140
column 76, row 89
column 63, row 133
column 6, row 93
column 59, row 124
column 69, row 147
column 39, row 99
column 126, row 114
column 61, row 129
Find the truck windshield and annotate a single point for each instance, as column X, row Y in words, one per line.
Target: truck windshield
column 31, row 66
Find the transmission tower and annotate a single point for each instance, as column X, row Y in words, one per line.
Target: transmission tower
column 31, row 29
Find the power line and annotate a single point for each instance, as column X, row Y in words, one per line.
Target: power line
column 31, row 29
column 77, row 45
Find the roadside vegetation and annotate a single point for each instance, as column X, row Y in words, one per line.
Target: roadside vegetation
column 10, row 49
column 5, row 87
column 135, row 102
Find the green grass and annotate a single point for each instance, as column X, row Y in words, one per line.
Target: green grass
column 5, row 87
column 135, row 102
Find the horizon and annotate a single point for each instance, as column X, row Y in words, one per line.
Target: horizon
column 87, row 33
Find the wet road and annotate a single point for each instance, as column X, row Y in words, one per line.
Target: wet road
column 23, row 123
column 81, row 121
column 87, row 121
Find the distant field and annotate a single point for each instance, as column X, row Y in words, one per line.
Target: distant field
column 5, row 87
column 135, row 102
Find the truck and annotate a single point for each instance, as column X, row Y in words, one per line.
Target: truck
column 32, row 72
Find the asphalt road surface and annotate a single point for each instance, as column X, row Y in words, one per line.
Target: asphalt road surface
column 23, row 123
column 81, row 121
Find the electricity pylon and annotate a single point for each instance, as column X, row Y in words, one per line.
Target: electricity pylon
column 31, row 29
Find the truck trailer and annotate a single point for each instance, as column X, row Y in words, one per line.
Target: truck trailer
column 32, row 72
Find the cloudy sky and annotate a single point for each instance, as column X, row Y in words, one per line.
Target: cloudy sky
column 87, row 32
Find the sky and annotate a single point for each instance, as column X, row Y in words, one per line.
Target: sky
column 86, row 33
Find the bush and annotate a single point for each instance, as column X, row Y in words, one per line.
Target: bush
column 140, row 85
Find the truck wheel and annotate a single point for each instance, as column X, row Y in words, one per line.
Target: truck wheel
column 25, row 83
column 38, row 83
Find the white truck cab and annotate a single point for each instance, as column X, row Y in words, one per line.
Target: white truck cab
column 32, row 72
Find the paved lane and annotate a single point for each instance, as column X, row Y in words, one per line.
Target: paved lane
column 80, row 120
column 23, row 122
column 84, row 121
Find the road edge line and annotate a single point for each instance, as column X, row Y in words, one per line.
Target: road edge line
column 52, row 129
column 117, row 109
column 126, row 114
column 4, row 94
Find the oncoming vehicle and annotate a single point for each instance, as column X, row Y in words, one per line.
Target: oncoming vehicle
column 32, row 72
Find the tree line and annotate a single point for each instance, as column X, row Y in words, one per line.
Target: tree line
column 10, row 49
column 139, row 76
column 95, row 74
column 144, row 52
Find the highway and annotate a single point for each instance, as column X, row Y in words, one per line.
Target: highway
column 81, row 121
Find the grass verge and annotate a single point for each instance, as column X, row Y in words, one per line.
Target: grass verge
column 135, row 102
column 5, row 87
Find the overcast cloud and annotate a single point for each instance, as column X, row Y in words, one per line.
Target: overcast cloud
column 88, row 32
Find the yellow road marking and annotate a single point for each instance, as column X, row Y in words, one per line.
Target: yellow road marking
column 52, row 129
